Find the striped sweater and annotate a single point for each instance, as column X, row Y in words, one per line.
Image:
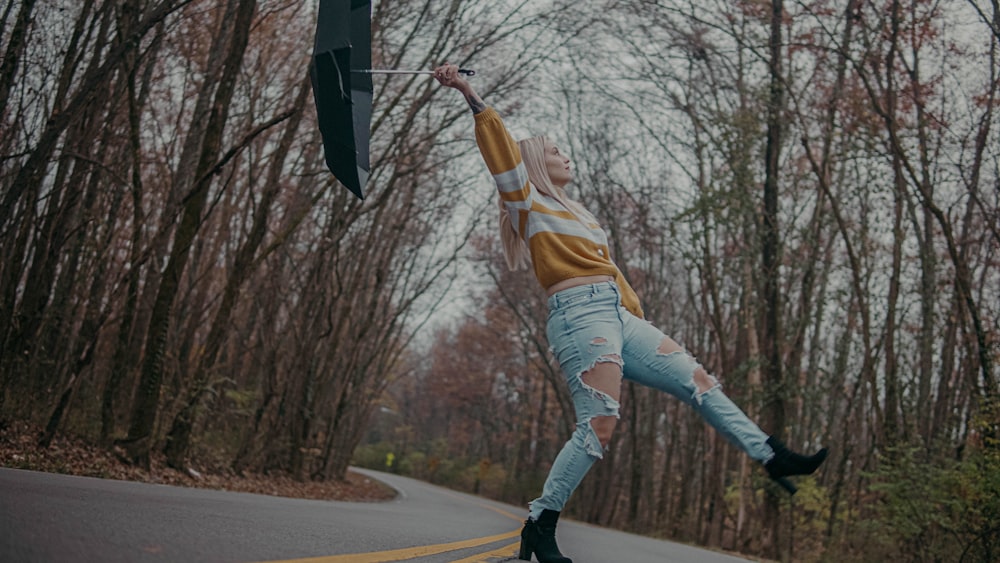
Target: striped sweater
column 561, row 245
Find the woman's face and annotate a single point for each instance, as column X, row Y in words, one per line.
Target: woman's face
column 557, row 164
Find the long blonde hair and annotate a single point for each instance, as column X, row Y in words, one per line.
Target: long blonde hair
column 515, row 249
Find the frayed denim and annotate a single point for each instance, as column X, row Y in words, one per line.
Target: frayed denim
column 587, row 325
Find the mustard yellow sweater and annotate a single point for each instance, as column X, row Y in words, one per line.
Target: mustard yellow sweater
column 561, row 245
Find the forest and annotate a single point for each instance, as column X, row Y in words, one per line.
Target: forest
column 804, row 193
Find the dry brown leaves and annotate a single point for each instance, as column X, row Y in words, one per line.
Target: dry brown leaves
column 19, row 450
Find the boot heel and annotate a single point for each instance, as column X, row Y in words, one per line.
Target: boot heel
column 525, row 552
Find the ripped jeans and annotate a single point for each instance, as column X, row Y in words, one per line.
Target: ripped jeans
column 588, row 325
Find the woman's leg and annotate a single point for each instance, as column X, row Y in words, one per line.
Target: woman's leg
column 585, row 333
column 655, row 360
column 597, row 406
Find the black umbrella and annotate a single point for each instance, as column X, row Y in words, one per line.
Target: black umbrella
column 344, row 99
column 342, row 87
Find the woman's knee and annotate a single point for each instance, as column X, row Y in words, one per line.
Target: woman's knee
column 604, row 428
column 604, row 381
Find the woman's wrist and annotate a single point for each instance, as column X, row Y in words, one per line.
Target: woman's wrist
column 475, row 102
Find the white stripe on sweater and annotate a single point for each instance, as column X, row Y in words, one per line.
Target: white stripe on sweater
column 512, row 180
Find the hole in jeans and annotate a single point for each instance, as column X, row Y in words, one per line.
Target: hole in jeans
column 668, row 346
column 605, row 380
column 704, row 381
column 604, row 427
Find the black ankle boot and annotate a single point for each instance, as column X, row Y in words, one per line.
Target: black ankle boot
column 786, row 462
column 539, row 537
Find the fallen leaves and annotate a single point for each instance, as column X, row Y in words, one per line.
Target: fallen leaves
column 72, row 456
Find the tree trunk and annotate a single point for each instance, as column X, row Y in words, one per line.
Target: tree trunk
column 121, row 357
column 890, row 433
column 774, row 385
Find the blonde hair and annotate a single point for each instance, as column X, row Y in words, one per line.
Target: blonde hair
column 515, row 249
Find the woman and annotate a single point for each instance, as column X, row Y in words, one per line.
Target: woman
column 595, row 324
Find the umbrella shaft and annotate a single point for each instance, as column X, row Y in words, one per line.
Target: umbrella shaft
column 465, row 71
column 374, row 71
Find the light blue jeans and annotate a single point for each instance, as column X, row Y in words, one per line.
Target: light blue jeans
column 587, row 325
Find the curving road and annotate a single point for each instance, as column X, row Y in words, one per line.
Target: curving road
column 53, row 518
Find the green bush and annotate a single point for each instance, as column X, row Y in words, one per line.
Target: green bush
column 936, row 511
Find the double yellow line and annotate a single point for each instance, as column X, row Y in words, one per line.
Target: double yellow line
column 425, row 550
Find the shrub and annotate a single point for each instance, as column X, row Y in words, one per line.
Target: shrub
column 936, row 511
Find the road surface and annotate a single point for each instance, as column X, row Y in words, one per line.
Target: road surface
column 54, row 518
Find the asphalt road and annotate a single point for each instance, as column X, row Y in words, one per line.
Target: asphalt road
column 56, row 518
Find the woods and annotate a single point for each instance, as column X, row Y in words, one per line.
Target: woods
column 806, row 195
column 174, row 250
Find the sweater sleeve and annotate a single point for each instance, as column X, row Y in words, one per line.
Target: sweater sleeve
column 503, row 158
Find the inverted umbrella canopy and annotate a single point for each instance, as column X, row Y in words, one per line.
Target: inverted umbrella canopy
column 344, row 99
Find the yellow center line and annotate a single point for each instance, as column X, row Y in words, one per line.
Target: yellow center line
column 403, row 554
column 506, row 551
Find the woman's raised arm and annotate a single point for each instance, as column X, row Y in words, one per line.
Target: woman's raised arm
column 501, row 153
